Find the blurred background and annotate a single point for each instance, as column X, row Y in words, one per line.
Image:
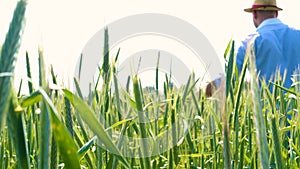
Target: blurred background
column 62, row 28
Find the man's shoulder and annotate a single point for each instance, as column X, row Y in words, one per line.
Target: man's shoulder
column 279, row 32
column 275, row 25
column 293, row 29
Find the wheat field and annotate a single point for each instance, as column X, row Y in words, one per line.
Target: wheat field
column 243, row 125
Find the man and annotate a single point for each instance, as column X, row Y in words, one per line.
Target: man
column 276, row 45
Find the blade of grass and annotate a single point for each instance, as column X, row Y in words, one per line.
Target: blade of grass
column 142, row 124
column 242, row 148
column 229, row 73
column 257, row 108
column 66, row 145
column 45, row 123
column 226, row 131
column 89, row 117
column 42, row 71
column 237, row 106
column 20, row 88
column 69, row 117
column 17, row 132
column 30, row 87
column 156, row 73
column 275, row 135
column 80, row 64
column 45, row 139
column 9, row 56
column 105, row 65
column 227, row 49
column 276, row 143
column 78, row 90
column 85, row 148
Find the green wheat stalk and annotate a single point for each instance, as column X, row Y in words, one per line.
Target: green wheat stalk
column 257, row 110
column 9, row 56
column 139, row 105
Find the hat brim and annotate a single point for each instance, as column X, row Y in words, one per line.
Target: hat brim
column 268, row 8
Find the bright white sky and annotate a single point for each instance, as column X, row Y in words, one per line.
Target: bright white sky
column 62, row 27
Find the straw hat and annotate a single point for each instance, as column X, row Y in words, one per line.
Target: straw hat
column 263, row 5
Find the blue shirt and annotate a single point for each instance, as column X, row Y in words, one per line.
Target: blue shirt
column 277, row 46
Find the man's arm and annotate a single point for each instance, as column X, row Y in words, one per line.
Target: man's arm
column 215, row 84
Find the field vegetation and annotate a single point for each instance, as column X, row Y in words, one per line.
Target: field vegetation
column 243, row 125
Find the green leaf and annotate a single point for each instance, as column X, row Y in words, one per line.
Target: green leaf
column 83, row 150
column 30, row 100
column 91, row 120
column 227, row 48
column 78, row 88
column 139, row 105
column 8, row 57
column 229, row 72
column 261, row 135
column 118, row 123
column 16, row 128
column 45, row 139
column 66, row 145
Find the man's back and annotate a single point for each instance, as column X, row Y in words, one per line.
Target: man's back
column 277, row 46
